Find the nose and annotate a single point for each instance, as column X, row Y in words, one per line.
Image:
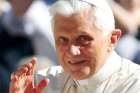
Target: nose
column 74, row 50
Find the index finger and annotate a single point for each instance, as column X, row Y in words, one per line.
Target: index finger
column 34, row 60
column 31, row 66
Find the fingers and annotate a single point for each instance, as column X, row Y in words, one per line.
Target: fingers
column 43, row 83
column 33, row 61
column 31, row 66
column 15, row 84
column 22, row 77
column 24, row 70
column 20, row 73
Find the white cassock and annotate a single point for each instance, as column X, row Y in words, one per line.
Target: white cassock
column 118, row 75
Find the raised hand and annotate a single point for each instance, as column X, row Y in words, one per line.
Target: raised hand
column 22, row 81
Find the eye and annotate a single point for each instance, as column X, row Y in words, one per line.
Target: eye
column 84, row 40
column 62, row 40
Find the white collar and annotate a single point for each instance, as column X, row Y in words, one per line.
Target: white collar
column 112, row 65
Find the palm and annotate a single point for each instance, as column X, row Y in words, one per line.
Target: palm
column 22, row 80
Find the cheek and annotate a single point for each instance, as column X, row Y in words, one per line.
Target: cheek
column 99, row 48
column 89, row 52
column 93, row 55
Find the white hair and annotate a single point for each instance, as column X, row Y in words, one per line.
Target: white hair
column 102, row 11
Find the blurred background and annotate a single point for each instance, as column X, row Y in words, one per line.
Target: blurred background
column 127, row 17
column 25, row 31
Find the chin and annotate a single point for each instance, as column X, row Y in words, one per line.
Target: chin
column 80, row 75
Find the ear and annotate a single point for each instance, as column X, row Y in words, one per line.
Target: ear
column 115, row 36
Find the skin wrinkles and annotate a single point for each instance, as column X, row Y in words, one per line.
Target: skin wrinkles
column 91, row 56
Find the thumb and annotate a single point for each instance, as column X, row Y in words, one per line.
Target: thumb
column 43, row 83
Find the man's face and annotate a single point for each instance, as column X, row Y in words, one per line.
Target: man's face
column 81, row 46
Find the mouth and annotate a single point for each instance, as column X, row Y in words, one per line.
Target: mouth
column 77, row 62
column 77, row 65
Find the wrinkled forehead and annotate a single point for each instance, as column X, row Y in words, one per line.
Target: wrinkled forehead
column 75, row 20
column 76, row 24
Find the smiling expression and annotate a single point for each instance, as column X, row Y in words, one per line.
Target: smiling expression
column 82, row 48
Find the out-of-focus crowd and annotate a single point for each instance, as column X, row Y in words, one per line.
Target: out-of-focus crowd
column 127, row 17
column 25, row 31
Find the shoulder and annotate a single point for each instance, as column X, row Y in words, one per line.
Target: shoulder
column 130, row 67
column 130, row 76
column 127, row 79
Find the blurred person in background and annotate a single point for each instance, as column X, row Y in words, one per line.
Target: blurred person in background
column 31, row 18
column 12, row 49
column 127, row 18
column 24, row 31
column 4, row 6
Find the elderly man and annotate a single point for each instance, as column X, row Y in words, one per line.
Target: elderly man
column 85, row 39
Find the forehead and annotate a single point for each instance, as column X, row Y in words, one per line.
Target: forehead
column 72, row 21
column 77, row 21
column 78, row 17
